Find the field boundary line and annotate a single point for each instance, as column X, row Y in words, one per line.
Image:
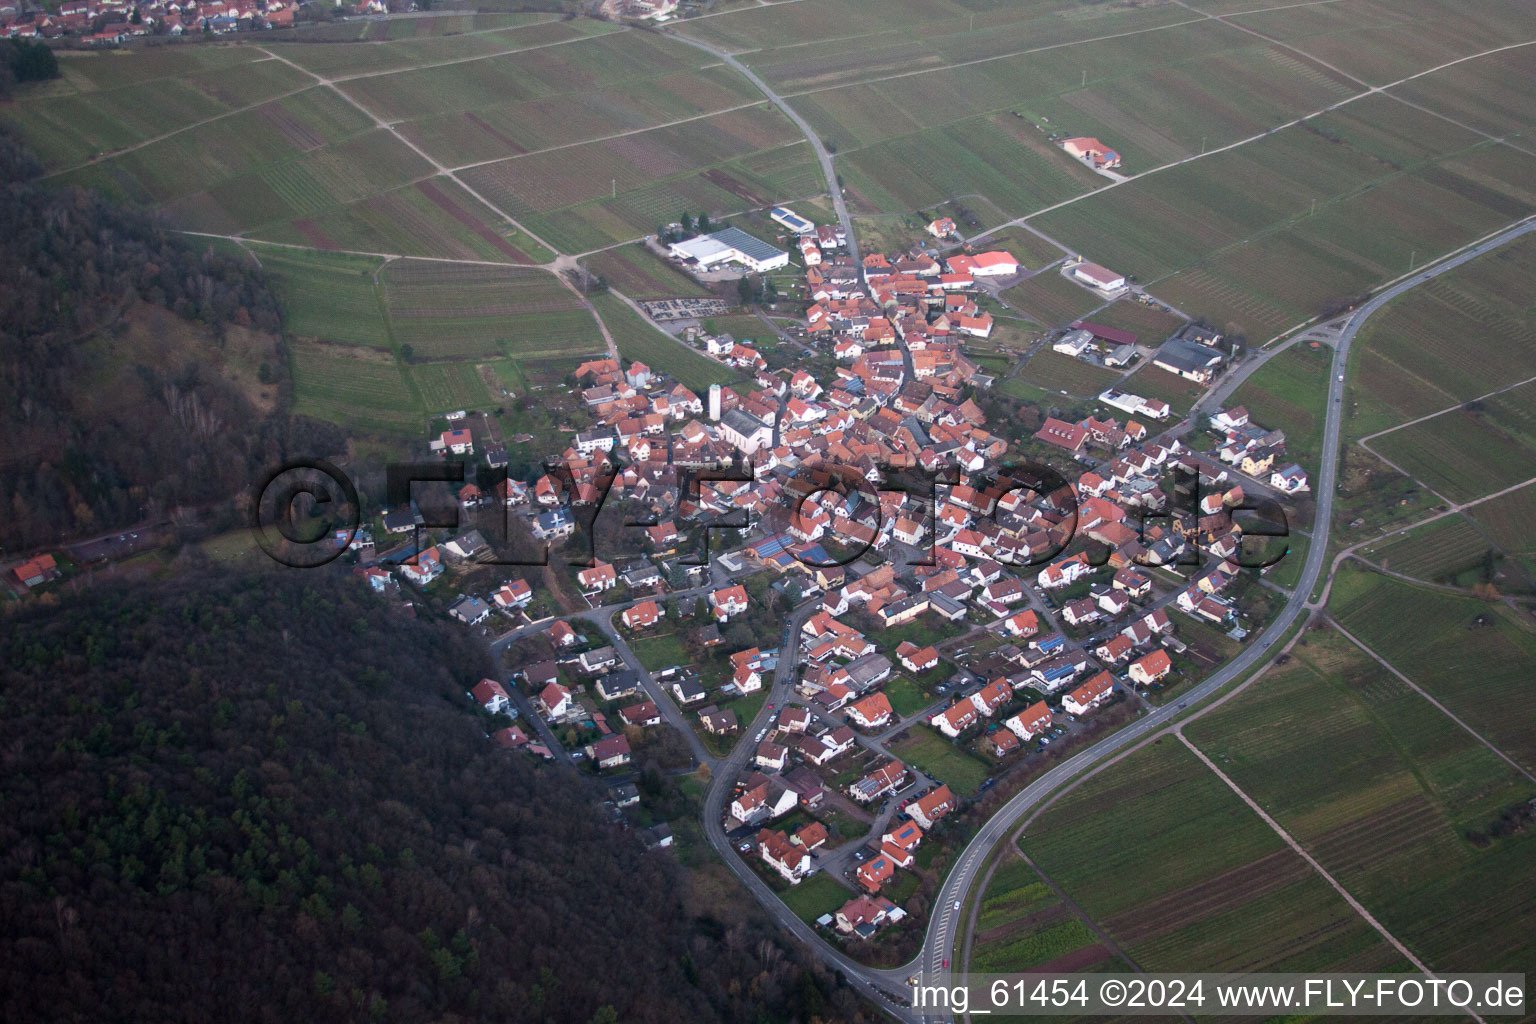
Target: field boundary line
column 1373, row 90
column 246, row 240
column 1442, row 412
column 1349, row 552
column 1225, row 20
column 457, row 60
column 106, row 157
column 1301, row 852
column 429, row 158
column 1384, row 663
column 618, row 135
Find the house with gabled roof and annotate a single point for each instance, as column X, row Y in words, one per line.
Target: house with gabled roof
column 871, row 712
column 1031, row 722
column 929, row 808
column 791, row 862
column 874, row 873
column 491, row 695
column 888, row 778
column 1151, row 667
column 609, row 752
column 959, row 717
column 642, row 615
column 1090, row 695
column 555, row 701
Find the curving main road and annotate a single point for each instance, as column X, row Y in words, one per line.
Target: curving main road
column 945, row 922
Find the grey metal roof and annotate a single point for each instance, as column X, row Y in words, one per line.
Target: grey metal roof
column 754, row 248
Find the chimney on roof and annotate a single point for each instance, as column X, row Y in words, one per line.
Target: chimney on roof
column 714, row 402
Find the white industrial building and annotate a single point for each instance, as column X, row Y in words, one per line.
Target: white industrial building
column 730, row 245
column 792, row 220
column 1073, row 343
column 1098, row 277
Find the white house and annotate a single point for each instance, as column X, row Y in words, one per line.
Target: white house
column 1098, row 277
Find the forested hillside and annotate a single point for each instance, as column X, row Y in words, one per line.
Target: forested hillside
column 263, row 798
column 138, row 371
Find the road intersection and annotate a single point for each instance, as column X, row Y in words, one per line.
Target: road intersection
column 888, row 987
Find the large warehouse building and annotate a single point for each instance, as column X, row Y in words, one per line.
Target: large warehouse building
column 730, row 245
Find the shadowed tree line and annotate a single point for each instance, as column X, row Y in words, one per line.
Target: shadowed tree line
column 107, row 426
column 267, row 798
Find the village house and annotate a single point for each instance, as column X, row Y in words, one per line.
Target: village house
column 728, row 601
column 929, row 808
column 886, row 779
column 863, row 915
column 771, row 756
column 600, row 577
column 555, row 701
column 871, row 712
column 1031, row 722
column 790, row 861
column 642, row 615
column 956, row 719
column 874, row 873
column 609, row 752
column 915, row 658
column 1150, row 668
column 1090, row 695
column 492, row 696
column 642, row 715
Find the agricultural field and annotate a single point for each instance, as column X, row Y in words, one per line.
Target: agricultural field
column 1150, row 324
column 1455, row 338
column 1475, row 450
column 447, row 386
column 1051, row 299
column 999, row 157
column 1236, row 235
column 445, row 310
column 933, row 754
column 641, row 274
column 591, row 195
column 353, row 387
column 638, row 338
column 1155, row 382
column 433, row 218
column 1450, row 550
column 1435, row 637
column 1120, row 845
column 1290, row 393
column 103, row 105
column 1389, row 794
column 363, row 56
column 1507, row 521
column 1383, row 41
column 327, row 296
column 1058, row 372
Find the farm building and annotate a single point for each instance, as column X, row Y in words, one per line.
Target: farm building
column 1191, row 361
column 1098, row 277
column 1092, row 152
column 792, row 220
column 730, row 245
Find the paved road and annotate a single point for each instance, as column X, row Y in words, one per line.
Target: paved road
column 823, row 157
column 944, row 925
